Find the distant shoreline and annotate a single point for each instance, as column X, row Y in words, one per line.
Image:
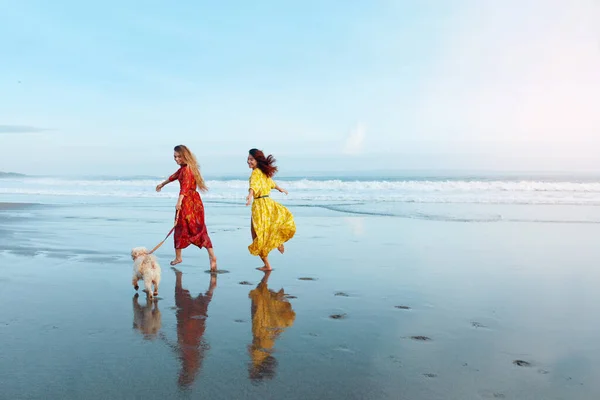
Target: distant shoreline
column 11, row 175
column 12, row 206
column 365, row 175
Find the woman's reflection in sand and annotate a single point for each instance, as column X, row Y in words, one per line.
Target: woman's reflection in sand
column 191, row 323
column 271, row 314
column 146, row 319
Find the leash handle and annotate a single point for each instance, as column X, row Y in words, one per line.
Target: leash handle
column 168, row 234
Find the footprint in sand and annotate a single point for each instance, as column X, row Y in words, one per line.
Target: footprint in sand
column 421, row 338
column 245, row 283
column 239, row 320
column 337, row 316
column 304, row 278
column 543, row 371
column 476, row 324
column 289, row 296
column 219, row 271
column 402, row 307
column 522, row 363
column 430, row 375
column 341, row 294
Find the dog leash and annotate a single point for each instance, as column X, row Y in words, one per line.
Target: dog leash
column 168, row 234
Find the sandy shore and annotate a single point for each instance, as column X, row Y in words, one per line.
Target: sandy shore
column 357, row 308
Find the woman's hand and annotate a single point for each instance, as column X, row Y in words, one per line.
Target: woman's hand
column 178, row 206
column 248, row 199
column 159, row 187
column 281, row 190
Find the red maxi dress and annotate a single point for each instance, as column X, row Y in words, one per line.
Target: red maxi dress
column 190, row 228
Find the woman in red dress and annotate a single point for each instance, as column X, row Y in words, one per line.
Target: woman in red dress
column 190, row 228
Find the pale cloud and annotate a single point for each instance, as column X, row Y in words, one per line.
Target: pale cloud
column 355, row 140
column 519, row 76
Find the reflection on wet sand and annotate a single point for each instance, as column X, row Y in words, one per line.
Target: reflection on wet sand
column 146, row 319
column 191, row 324
column 271, row 314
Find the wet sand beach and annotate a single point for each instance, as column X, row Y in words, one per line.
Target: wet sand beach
column 359, row 307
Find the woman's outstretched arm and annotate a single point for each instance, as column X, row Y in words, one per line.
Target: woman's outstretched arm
column 167, row 181
column 162, row 184
column 250, row 196
column 280, row 189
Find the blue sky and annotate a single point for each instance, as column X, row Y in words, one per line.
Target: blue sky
column 111, row 87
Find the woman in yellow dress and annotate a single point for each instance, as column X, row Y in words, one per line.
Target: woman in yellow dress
column 272, row 224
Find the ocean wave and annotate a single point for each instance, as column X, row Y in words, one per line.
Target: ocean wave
column 315, row 197
column 307, row 191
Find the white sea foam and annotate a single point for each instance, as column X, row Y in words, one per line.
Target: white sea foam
column 306, row 190
column 335, row 184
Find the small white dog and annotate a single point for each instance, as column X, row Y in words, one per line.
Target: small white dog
column 146, row 268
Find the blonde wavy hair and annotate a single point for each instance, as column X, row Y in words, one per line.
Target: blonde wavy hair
column 190, row 160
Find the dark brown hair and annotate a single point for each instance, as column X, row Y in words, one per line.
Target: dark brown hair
column 265, row 164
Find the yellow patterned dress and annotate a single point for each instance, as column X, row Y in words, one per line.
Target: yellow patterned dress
column 272, row 222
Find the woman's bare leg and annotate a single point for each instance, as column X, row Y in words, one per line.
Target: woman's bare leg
column 177, row 259
column 213, row 259
column 265, row 260
column 267, row 266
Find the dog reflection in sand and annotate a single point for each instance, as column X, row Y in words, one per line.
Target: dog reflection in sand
column 191, row 323
column 271, row 314
column 146, row 319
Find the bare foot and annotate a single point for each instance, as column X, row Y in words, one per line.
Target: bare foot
column 266, row 264
column 213, row 264
column 176, row 261
column 281, row 249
